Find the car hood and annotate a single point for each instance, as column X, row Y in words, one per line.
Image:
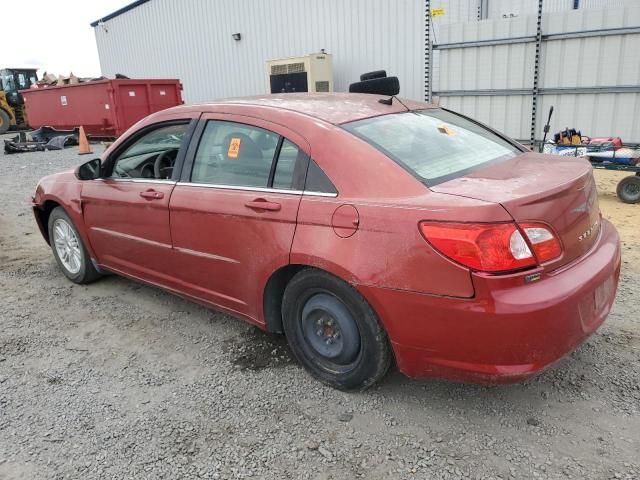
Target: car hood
column 559, row 191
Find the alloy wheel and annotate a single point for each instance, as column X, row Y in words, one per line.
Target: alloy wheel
column 67, row 246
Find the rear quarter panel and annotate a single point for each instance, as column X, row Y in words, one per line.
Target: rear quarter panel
column 387, row 250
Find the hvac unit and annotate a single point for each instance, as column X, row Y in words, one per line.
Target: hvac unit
column 311, row 73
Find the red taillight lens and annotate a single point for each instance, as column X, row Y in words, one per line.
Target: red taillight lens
column 492, row 247
column 545, row 244
column 488, row 247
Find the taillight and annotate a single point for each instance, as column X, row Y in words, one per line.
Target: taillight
column 545, row 244
column 492, row 247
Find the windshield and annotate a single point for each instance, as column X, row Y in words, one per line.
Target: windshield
column 7, row 83
column 434, row 145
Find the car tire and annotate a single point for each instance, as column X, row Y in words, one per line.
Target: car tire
column 372, row 75
column 378, row 86
column 628, row 189
column 333, row 332
column 5, row 121
column 69, row 251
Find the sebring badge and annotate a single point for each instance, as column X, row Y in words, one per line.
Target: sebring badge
column 587, row 233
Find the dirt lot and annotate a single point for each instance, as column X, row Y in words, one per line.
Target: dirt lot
column 119, row 380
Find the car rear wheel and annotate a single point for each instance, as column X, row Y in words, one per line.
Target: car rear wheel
column 68, row 249
column 333, row 332
column 629, row 189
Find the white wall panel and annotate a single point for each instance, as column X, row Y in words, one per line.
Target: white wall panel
column 600, row 61
column 605, row 4
column 508, row 114
column 499, row 8
column 192, row 41
column 456, row 11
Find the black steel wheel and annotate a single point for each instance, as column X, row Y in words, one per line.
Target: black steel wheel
column 333, row 332
column 629, row 189
column 329, row 329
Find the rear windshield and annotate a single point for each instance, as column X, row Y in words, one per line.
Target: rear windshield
column 434, row 145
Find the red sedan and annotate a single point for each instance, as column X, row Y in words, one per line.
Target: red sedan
column 364, row 231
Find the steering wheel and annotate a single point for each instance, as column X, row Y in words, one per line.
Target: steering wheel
column 163, row 166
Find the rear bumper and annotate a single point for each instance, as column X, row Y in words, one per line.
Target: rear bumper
column 510, row 330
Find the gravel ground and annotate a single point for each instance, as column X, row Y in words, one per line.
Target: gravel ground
column 120, row 380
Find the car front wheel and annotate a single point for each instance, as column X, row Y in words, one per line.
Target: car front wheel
column 68, row 249
column 333, row 332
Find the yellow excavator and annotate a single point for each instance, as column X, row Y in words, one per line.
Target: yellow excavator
column 12, row 111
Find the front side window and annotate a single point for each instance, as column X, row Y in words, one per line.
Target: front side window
column 22, row 81
column 153, row 155
column 434, row 145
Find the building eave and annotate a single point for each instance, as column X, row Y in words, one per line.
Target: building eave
column 119, row 12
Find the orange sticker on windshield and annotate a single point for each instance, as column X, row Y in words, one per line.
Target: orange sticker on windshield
column 234, row 148
column 447, row 130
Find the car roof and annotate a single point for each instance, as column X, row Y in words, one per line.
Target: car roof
column 335, row 108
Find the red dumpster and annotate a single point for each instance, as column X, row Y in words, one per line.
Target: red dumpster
column 105, row 108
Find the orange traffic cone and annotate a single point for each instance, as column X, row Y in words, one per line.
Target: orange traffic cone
column 84, row 143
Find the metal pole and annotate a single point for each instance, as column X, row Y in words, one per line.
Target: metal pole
column 536, row 75
column 428, row 52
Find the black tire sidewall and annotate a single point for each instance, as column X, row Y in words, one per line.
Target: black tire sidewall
column 622, row 185
column 373, row 74
column 6, row 121
column 374, row 357
column 86, row 272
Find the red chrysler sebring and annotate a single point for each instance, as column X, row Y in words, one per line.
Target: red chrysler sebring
column 363, row 231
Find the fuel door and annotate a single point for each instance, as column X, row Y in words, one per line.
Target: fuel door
column 345, row 220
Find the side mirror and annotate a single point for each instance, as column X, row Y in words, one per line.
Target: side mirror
column 89, row 170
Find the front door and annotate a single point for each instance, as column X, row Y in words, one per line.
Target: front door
column 127, row 211
column 233, row 215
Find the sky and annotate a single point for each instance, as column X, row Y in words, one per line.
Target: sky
column 53, row 35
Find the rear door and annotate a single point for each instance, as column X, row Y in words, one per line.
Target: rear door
column 233, row 214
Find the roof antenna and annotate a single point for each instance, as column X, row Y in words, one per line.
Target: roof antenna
column 389, row 101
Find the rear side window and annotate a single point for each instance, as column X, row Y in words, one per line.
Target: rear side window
column 434, row 145
column 234, row 154
column 237, row 154
column 289, row 171
column 317, row 180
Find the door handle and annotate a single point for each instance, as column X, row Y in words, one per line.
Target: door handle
column 262, row 204
column 152, row 194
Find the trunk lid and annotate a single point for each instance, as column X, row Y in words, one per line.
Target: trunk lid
column 558, row 191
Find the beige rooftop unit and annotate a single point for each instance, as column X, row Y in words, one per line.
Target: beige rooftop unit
column 311, row 73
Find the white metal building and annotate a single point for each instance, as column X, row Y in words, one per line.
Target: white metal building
column 482, row 63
